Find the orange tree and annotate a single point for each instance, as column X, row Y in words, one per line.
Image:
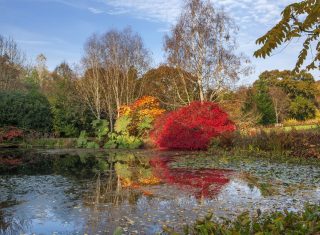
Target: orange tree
column 141, row 114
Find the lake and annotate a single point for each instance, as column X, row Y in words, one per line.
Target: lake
column 94, row 192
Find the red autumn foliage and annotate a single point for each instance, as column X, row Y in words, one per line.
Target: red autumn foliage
column 191, row 127
column 206, row 182
column 10, row 134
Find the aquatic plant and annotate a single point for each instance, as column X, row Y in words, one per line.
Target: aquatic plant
column 306, row 222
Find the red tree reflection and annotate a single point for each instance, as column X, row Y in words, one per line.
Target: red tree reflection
column 206, row 182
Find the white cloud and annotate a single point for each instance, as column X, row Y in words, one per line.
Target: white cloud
column 153, row 10
column 255, row 17
column 95, row 10
column 258, row 11
column 34, row 42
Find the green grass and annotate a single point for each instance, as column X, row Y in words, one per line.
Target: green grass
column 50, row 143
column 291, row 128
column 302, row 127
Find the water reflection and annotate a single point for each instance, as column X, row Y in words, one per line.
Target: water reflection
column 206, row 182
column 94, row 192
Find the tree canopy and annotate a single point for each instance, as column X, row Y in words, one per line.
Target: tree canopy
column 203, row 43
column 301, row 19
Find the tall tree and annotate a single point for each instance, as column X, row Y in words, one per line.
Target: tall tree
column 113, row 64
column 11, row 64
column 300, row 19
column 294, row 84
column 234, row 102
column 70, row 115
column 90, row 86
column 291, row 94
column 171, row 86
column 41, row 68
column 259, row 101
column 280, row 102
column 125, row 59
column 203, row 44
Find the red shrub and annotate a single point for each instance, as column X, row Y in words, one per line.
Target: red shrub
column 10, row 134
column 191, row 127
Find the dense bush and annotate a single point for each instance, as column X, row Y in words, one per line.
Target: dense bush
column 191, row 127
column 70, row 114
column 9, row 134
column 121, row 138
column 28, row 110
column 302, row 108
column 306, row 222
column 141, row 114
column 110, row 140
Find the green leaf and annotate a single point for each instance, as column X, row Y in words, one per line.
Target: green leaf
column 118, row 231
column 122, row 123
column 82, row 140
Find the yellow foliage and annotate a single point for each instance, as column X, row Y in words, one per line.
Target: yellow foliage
column 291, row 122
column 150, row 180
column 317, row 117
column 126, row 182
column 145, row 106
column 138, row 111
column 294, row 122
column 125, row 110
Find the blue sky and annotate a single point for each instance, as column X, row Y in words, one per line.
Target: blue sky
column 59, row 28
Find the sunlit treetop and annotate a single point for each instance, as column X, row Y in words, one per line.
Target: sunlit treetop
column 301, row 19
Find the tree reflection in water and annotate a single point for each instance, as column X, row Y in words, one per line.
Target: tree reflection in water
column 104, row 182
column 207, row 182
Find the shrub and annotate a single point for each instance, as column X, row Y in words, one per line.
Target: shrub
column 291, row 122
column 9, row 134
column 141, row 113
column 294, row 122
column 191, row 127
column 101, row 128
column 303, row 144
column 27, row 110
column 122, row 138
column 302, row 108
column 82, row 140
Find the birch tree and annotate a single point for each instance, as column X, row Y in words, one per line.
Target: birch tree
column 203, row 43
column 125, row 60
column 12, row 61
column 114, row 63
column 90, row 86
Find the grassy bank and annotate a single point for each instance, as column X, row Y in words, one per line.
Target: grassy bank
column 301, row 144
column 48, row 143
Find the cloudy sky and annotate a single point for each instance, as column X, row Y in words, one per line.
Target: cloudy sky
column 59, row 28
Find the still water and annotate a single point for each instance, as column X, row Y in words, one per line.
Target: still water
column 85, row 192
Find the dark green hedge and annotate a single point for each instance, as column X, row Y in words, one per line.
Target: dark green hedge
column 27, row 110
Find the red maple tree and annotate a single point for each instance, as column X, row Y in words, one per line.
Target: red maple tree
column 191, row 127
